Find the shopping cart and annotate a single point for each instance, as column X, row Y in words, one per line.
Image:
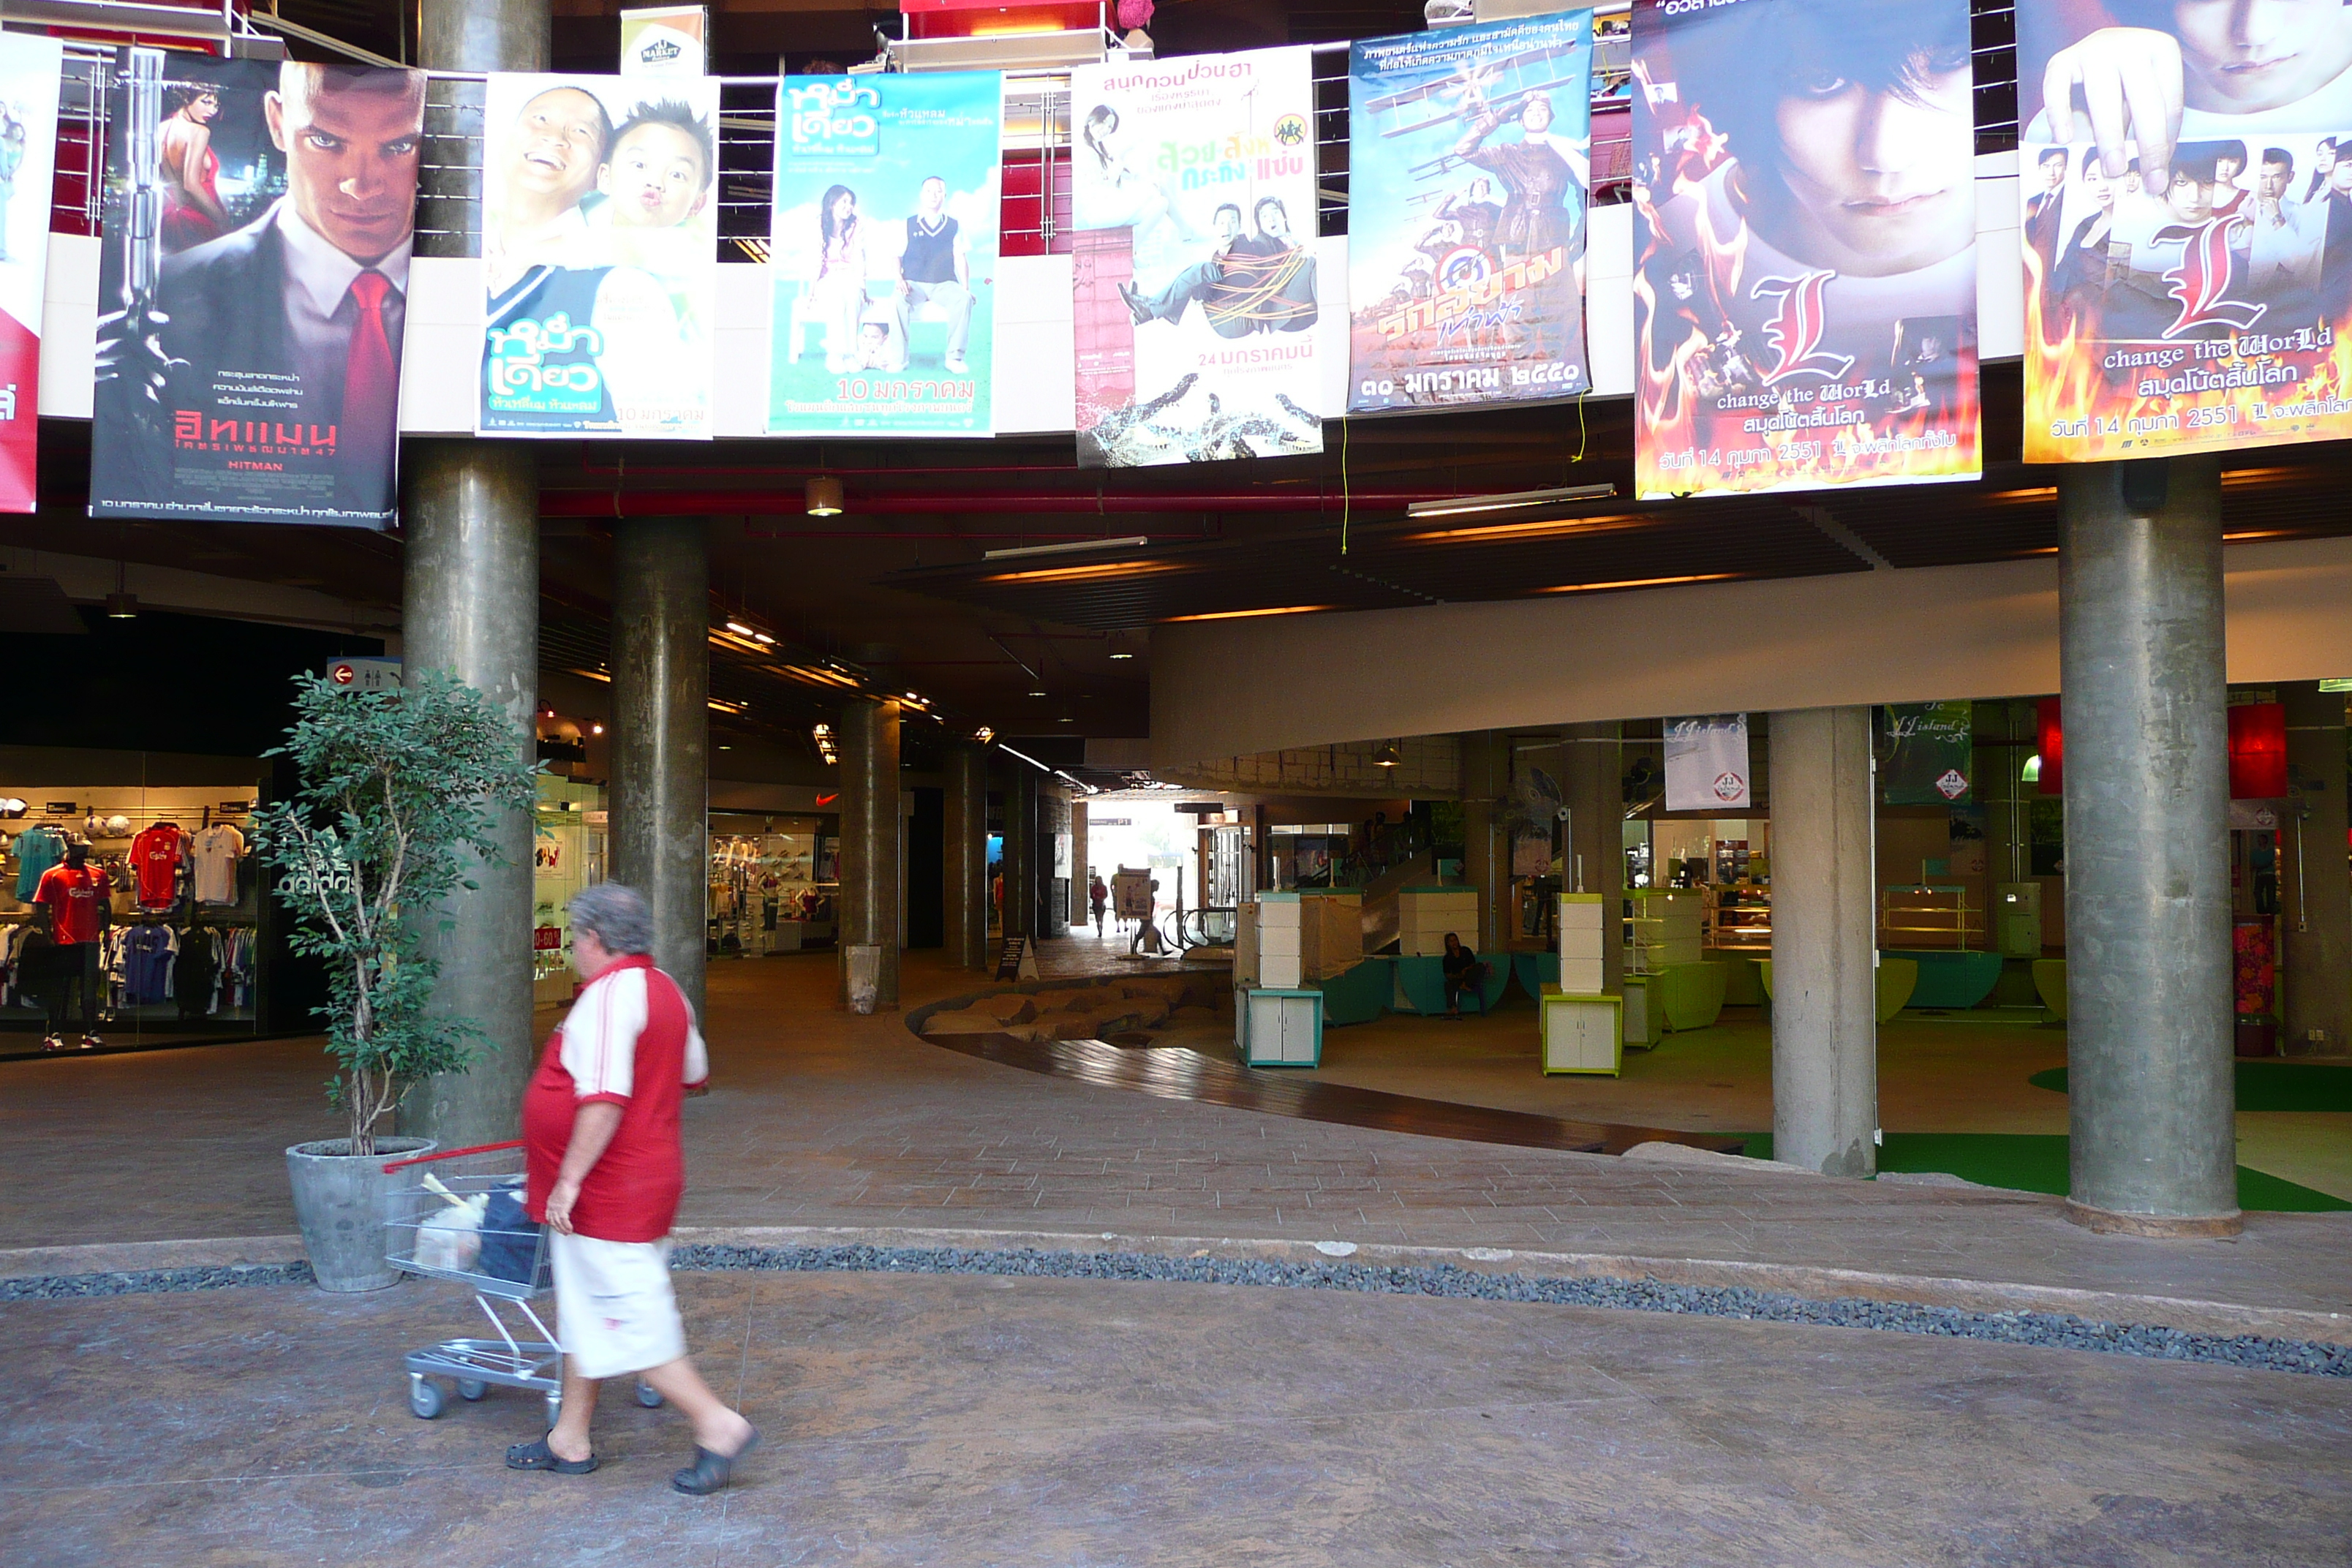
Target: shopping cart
column 459, row 1217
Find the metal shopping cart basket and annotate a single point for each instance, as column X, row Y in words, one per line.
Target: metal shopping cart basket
column 459, row 1217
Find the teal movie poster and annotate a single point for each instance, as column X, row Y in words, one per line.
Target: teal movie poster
column 885, row 248
column 1469, row 165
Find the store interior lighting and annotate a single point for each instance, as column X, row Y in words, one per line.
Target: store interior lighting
column 1461, row 506
column 984, row 734
column 122, row 606
column 1388, row 757
column 1072, row 547
column 822, row 495
column 2031, row 772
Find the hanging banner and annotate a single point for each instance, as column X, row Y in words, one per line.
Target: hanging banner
column 1469, row 157
column 2187, row 271
column 1707, row 763
column 1805, row 221
column 666, row 40
column 1192, row 193
column 600, row 269
column 884, row 245
column 1930, row 752
column 253, row 290
column 28, row 146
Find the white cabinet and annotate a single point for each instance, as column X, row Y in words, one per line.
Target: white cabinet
column 1581, row 1034
column 1281, row 1029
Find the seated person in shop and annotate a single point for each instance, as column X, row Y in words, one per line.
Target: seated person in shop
column 1463, row 973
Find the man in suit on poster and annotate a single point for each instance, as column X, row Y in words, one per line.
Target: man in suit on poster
column 334, row 252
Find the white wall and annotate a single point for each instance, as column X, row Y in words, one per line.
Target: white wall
column 1034, row 364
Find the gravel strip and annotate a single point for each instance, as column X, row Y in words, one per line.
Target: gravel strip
column 152, row 1282
column 2051, row 1329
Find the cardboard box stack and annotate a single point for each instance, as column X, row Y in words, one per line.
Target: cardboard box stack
column 1425, row 914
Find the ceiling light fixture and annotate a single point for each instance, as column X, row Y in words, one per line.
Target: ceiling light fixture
column 741, row 630
column 984, row 734
column 822, row 496
column 1512, row 500
column 1639, row 582
column 1084, row 574
column 1500, row 533
column 122, row 606
column 1245, row 615
column 1071, row 548
column 1388, row 757
column 1122, row 645
column 1036, row 691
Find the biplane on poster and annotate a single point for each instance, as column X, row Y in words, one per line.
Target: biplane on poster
column 1194, row 286
column 884, row 245
column 253, row 288
column 2187, row 225
column 1805, row 280
column 600, row 265
column 28, row 142
column 1469, row 167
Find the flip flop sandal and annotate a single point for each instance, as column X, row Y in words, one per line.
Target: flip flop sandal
column 710, row 1472
column 540, row 1456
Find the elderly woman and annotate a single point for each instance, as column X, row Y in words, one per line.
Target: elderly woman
column 600, row 1137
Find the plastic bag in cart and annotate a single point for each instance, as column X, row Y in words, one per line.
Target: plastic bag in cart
column 511, row 1241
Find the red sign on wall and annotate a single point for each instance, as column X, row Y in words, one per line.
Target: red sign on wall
column 547, row 939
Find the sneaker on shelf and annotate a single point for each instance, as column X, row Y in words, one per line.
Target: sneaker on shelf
column 54, row 1043
column 92, row 1042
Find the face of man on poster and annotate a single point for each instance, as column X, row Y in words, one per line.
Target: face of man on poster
column 350, row 159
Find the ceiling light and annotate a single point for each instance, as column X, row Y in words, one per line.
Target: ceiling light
column 1083, row 574
column 1513, row 532
column 763, row 637
column 1065, row 719
column 1242, row 615
column 740, row 629
column 1037, row 691
column 122, row 606
column 984, row 734
column 1072, row 547
column 1509, row 501
column 1387, row 757
column 1122, row 653
column 595, row 729
column 1638, row 582
column 1122, row 645
column 822, row 496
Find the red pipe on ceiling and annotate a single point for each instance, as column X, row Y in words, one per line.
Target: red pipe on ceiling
column 791, row 503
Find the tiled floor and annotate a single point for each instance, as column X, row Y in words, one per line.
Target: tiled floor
column 964, row 1422
column 822, row 1118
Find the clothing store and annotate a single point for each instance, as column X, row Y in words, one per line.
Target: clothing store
column 773, row 881
column 132, row 910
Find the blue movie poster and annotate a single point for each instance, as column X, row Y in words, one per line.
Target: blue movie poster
column 885, row 248
column 1469, row 163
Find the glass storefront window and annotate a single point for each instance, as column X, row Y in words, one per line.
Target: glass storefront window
column 568, row 854
column 773, row 883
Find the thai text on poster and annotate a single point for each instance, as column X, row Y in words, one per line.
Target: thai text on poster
column 1192, row 189
column 599, row 257
column 1805, row 283
column 1469, row 165
column 28, row 139
column 2186, row 226
column 253, row 290
column 885, row 248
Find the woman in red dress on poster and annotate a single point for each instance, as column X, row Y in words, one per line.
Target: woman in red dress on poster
column 193, row 212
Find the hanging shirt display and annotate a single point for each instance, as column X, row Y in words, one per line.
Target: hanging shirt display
column 155, row 856
column 216, row 851
column 37, row 849
column 74, row 895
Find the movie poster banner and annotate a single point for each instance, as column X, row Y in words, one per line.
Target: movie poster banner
column 1192, row 192
column 885, row 246
column 1707, row 763
column 2186, row 226
column 1469, row 165
column 1805, row 280
column 599, row 255
column 253, row 288
column 28, row 146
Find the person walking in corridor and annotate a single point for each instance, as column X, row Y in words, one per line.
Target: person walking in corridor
column 600, row 1124
column 1098, row 895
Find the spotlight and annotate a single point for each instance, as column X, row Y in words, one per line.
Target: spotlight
column 984, row 734
column 1036, row 691
column 1387, row 757
column 823, row 495
column 122, row 606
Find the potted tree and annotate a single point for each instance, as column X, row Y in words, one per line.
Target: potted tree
column 396, row 787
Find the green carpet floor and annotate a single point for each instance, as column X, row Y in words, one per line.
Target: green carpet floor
column 2264, row 1086
column 2036, row 1162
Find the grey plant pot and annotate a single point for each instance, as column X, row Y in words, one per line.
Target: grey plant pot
column 339, row 1203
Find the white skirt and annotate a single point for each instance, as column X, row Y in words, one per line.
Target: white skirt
column 614, row 1310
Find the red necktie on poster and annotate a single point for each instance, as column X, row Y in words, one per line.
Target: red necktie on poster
column 370, row 385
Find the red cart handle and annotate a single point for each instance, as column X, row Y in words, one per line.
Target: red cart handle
column 451, row 1154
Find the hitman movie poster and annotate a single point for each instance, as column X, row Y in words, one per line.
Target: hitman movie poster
column 1469, row 167
column 1805, row 261
column 2185, row 182
column 253, row 290
column 1194, row 276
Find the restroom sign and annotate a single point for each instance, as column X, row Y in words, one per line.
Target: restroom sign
column 363, row 674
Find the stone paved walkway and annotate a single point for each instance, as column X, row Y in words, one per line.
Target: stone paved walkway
column 820, row 1118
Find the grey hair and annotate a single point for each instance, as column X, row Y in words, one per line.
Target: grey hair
column 616, row 916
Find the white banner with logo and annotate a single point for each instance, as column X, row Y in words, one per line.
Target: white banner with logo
column 1707, row 763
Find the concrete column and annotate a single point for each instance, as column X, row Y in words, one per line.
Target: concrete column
column 661, row 733
column 1021, row 851
column 1080, row 915
column 470, row 607
column 2150, row 1092
column 966, row 876
column 482, row 35
column 1592, row 786
column 1486, row 839
column 1824, row 937
column 873, row 825
column 2316, row 893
